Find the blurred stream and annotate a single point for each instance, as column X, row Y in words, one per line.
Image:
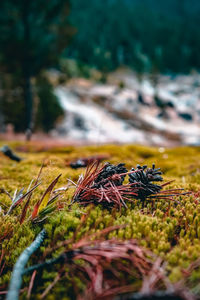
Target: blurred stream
column 136, row 113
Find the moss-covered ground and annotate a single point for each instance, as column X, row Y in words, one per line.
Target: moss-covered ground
column 170, row 230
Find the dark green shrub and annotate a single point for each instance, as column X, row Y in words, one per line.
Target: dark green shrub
column 49, row 108
column 12, row 103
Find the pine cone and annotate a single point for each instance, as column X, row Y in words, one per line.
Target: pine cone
column 143, row 177
column 108, row 171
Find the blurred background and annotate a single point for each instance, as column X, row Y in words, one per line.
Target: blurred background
column 122, row 71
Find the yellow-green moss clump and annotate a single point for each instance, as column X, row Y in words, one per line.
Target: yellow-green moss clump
column 170, row 230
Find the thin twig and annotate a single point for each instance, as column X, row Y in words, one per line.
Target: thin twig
column 56, row 279
column 31, row 284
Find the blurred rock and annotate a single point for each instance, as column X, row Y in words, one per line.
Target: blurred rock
column 9, row 153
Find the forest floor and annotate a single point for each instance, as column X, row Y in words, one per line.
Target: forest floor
column 169, row 229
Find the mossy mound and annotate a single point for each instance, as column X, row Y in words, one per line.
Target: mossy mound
column 170, row 230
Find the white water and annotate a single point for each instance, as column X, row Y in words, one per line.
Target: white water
column 88, row 122
column 100, row 125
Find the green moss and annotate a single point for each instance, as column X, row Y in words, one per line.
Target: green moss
column 169, row 229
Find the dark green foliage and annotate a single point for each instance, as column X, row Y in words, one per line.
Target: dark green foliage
column 13, row 106
column 33, row 35
column 149, row 35
column 49, row 109
column 40, row 31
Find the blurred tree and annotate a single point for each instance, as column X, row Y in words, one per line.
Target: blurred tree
column 49, row 108
column 12, row 102
column 33, row 34
column 146, row 35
